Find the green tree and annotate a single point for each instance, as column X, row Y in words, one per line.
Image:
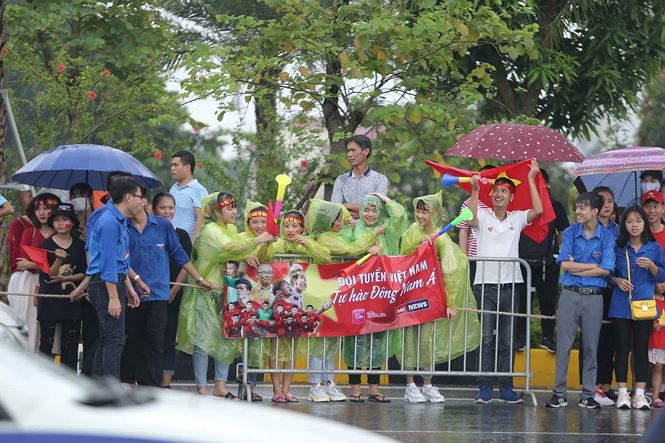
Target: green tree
column 594, row 59
column 652, row 132
column 368, row 63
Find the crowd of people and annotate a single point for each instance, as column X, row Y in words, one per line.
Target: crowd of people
column 125, row 266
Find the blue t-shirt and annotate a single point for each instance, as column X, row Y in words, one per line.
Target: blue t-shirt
column 643, row 282
column 599, row 250
column 108, row 246
column 150, row 250
column 187, row 198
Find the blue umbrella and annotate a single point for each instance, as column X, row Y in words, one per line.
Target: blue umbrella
column 64, row 166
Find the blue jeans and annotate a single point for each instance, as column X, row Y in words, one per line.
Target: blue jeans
column 200, row 364
column 501, row 300
column 112, row 336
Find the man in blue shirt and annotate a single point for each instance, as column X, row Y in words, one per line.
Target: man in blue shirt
column 188, row 193
column 586, row 258
column 152, row 240
column 108, row 264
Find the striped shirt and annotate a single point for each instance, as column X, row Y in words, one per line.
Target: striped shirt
column 472, row 243
column 351, row 189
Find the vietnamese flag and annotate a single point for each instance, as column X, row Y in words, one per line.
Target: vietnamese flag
column 38, row 257
column 518, row 173
column 271, row 225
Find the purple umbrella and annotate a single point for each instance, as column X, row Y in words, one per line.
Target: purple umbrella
column 619, row 170
column 516, row 142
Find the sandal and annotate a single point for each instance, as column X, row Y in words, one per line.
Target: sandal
column 229, row 395
column 291, row 398
column 279, row 398
column 256, row 397
column 378, row 398
column 356, row 398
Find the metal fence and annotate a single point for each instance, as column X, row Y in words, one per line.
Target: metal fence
column 487, row 327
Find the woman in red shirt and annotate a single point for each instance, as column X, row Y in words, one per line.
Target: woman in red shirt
column 26, row 278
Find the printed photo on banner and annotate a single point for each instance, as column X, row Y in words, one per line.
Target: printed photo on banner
column 342, row 299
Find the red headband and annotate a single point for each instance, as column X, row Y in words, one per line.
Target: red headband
column 228, row 201
column 294, row 218
column 509, row 186
column 258, row 212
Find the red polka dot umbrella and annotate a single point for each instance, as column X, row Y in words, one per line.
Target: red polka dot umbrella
column 516, row 142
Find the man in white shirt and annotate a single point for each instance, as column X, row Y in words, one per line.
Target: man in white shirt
column 495, row 285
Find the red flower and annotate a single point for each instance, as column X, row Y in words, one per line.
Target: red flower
column 92, row 96
column 105, row 73
column 199, row 165
column 304, row 163
column 158, row 155
column 5, row 51
column 60, row 68
column 196, row 129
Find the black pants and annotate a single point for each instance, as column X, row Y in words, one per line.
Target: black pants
column 89, row 335
column 172, row 312
column 69, row 340
column 546, row 285
column 111, row 340
column 632, row 335
column 143, row 355
column 372, row 379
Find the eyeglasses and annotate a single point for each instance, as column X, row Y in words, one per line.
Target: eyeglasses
column 139, row 195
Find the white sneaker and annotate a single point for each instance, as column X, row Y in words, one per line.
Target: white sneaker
column 432, row 394
column 334, row 392
column 623, row 402
column 641, row 402
column 413, row 395
column 602, row 399
column 316, row 394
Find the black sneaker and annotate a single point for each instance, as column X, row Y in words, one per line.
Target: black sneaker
column 556, row 402
column 612, row 395
column 549, row 345
column 589, row 403
column 520, row 344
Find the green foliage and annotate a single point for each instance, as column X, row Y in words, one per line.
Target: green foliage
column 652, row 127
column 370, row 64
column 83, row 71
column 594, row 59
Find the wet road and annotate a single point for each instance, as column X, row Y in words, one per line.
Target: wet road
column 460, row 420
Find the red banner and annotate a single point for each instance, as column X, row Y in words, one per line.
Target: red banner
column 302, row 299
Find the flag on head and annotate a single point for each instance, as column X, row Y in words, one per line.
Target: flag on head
column 38, row 257
column 271, row 225
column 518, row 173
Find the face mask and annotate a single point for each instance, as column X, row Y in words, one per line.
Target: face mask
column 646, row 187
column 80, row 204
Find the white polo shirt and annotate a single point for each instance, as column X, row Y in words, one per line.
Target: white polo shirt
column 498, row 238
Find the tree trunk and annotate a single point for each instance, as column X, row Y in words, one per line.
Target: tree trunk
column 4, row 258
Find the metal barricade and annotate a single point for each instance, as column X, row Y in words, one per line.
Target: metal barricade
column 479, row 306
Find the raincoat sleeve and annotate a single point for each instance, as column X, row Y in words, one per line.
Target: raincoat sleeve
column 337, row 244
column 454, row 267
column 222, row 245
column 317, row 252
column 411, row 238
column 397, row 221
column 267, row 251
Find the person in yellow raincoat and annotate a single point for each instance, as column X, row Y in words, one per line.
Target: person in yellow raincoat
column 445, row 339
column 199, row 322
column 372, row 350
column 291, row 241
column 325, row 223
